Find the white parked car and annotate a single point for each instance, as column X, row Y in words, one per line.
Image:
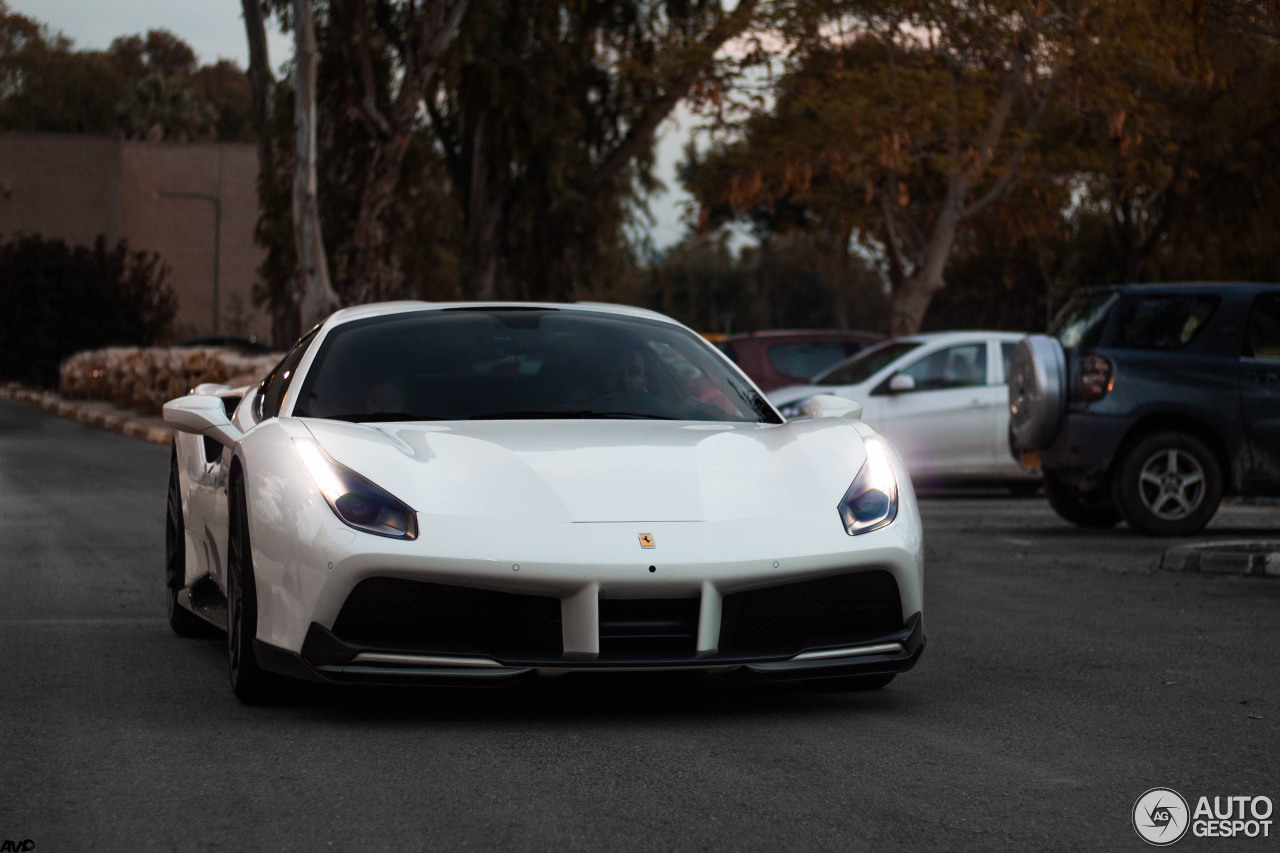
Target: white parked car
column 940, row 398
column 482, row 492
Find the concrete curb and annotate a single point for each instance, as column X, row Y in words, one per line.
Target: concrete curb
column 92, row 413
column 1252, row 557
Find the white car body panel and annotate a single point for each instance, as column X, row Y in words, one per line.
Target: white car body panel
column 543, row 507
column 955, row 432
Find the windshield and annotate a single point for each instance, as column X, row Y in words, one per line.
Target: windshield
column 462, row 364
column 1081, row 320
column 865, row 364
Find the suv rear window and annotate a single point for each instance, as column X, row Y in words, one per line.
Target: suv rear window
column 1162, row 322
column 1080, row 321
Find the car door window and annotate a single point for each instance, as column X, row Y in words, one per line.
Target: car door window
column 271, row 392
column 1162, row 322
column 1263, row 338
column 1006, row 355
column 960, row 366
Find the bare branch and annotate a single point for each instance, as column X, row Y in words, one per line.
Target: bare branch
column 642, row 132
column 1010, row 171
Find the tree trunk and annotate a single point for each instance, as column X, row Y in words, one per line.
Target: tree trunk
column 484, row 218
column 261, row 80
column 373, row 273
column 316, row 295
column 913, row 293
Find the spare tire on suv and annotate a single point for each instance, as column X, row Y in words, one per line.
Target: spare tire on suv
column 1037, row 391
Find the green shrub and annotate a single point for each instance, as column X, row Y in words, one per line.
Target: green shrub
column 57, row 299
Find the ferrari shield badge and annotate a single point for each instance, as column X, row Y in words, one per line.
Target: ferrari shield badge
column 646, row 540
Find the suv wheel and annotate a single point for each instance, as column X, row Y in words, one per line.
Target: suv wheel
column 1081, row 508
column 1169, row 484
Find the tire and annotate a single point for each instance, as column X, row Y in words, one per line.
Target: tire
column 1169, row 484
column 1037, row 392
column 250, row 683
column 182, row 621
column 1083, row 509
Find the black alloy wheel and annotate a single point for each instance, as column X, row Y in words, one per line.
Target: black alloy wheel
column 183, row 622
column 1169, row 484
column 249, row 682
column 1083, row 509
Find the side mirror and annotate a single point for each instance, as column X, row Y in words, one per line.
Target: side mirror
column 901, row 382
column 831, row 406
column 202, row 414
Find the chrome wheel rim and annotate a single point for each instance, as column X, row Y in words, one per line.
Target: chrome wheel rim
column 1171, row 484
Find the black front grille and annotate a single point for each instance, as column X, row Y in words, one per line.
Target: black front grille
column 390, row 613
column 635, row 629
column 825, row 613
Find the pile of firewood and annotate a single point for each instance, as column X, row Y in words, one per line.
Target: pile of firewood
column 143, row 379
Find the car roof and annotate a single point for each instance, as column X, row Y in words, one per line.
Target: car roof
column 1184, row 287
column 380, row 309
column 961, row 336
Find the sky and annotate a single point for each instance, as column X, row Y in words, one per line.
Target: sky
column 215, row 30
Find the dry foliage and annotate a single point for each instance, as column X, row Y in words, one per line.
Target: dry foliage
column 143, row 379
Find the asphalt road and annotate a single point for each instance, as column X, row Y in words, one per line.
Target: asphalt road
column 1064, row 676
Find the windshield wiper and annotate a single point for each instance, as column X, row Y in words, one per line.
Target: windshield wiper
column 371, row 417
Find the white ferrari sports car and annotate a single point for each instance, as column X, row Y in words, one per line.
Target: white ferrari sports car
column 443, row 493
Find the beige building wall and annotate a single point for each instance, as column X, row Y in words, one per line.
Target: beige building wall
column 160, row 197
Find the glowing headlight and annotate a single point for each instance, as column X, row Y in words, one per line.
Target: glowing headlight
column 872, row 501
column 355, row 500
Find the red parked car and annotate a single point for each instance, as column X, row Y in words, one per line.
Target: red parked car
column 774, row 359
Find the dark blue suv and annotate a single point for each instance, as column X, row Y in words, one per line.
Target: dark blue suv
column 1150, row 402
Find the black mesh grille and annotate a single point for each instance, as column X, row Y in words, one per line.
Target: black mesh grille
column 390, row 613
column 640, row 628
column 791, row 618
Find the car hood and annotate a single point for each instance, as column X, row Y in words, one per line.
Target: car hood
column 603, row 470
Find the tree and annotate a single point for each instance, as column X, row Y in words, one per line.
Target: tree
column 60, row 299
column 46, row 86
column 316, row 298
column 142, row 86
column 388, row 109
column 547, row 117
column 903, row 122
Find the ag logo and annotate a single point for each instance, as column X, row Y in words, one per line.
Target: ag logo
column 646, row 540
column 1160, row 816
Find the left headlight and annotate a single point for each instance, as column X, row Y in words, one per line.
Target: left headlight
column 871, row 502
column 358, row 502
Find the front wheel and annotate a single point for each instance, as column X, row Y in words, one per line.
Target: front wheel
column 1169, row 484
column 249, row 682
column 1081, row 508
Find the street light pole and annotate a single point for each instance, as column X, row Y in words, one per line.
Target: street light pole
column 217, row 238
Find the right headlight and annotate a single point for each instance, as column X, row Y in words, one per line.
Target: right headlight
column 357, row 501
column 871, row 502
